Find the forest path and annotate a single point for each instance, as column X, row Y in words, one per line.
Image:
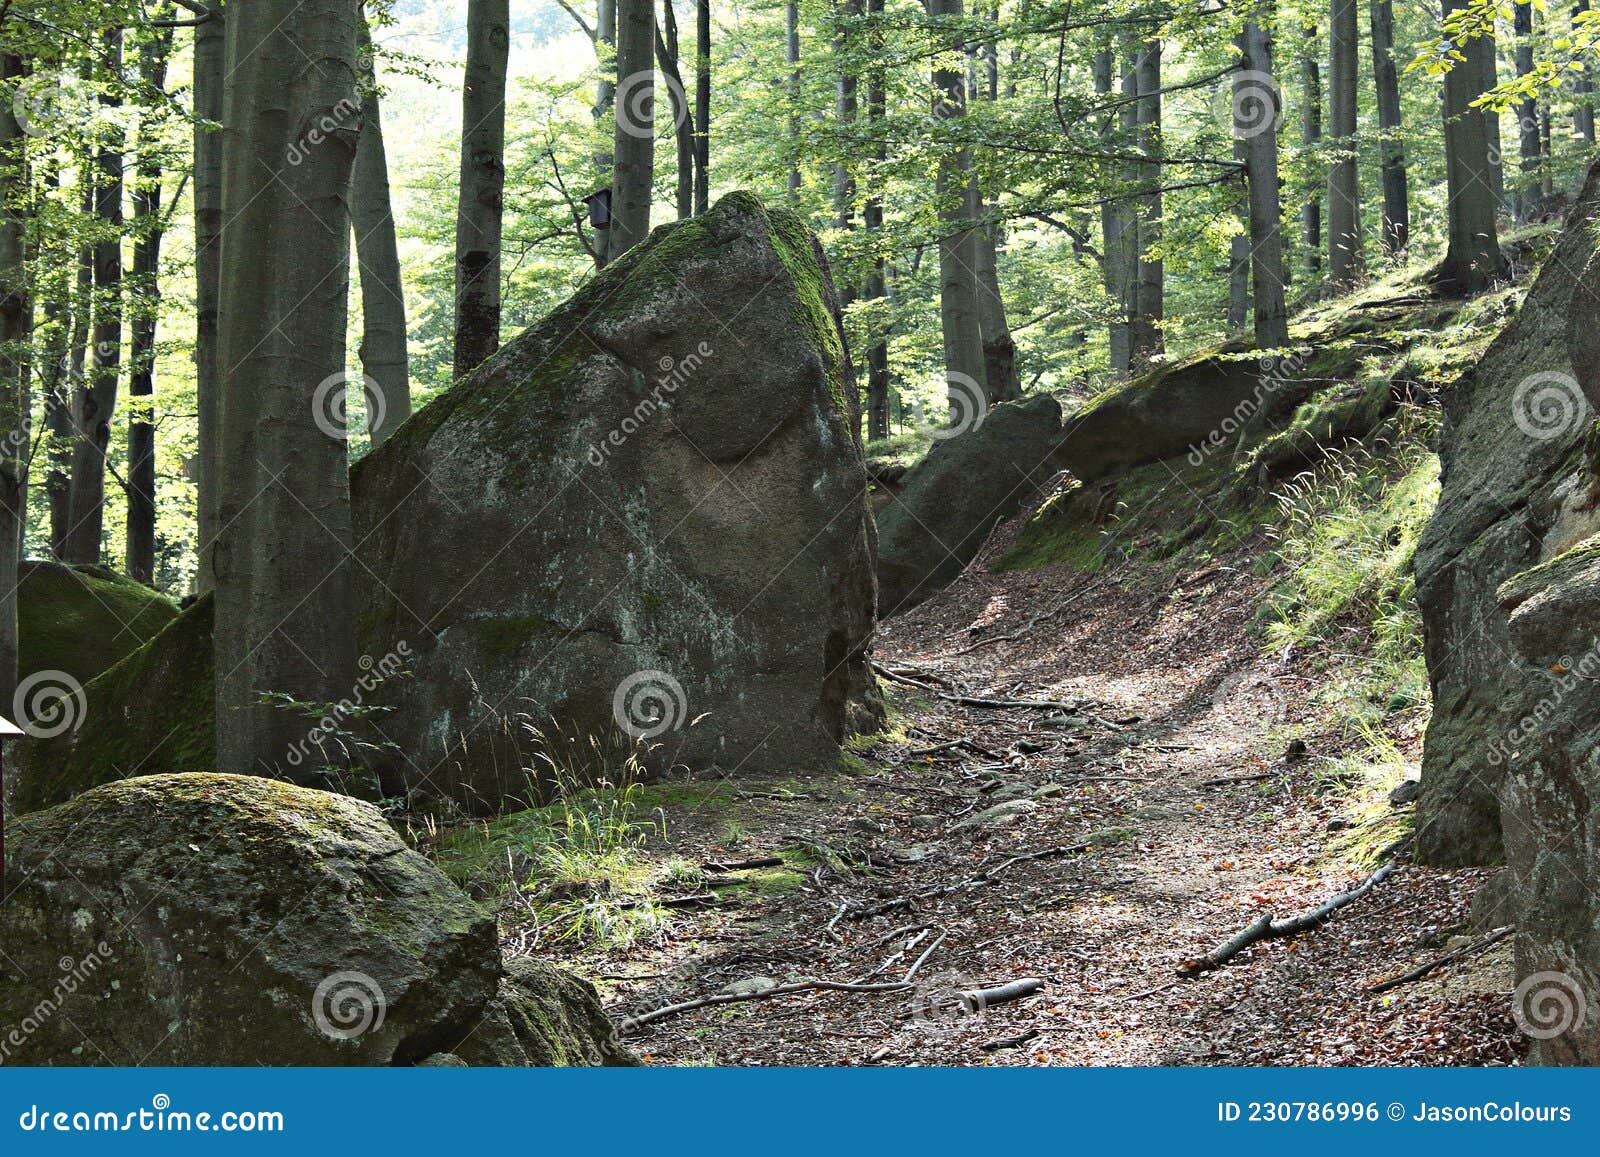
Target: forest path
column 1176, row 697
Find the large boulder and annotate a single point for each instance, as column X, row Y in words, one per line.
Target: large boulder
column 1517, row 490
column 227, row 920
column 647, row 510
column 76, row 621
column 953, row 498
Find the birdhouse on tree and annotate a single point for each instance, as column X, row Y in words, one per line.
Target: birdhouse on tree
column 599, row 203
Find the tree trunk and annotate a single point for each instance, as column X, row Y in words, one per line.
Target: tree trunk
column 1117, row 227
column 872, row 214
column 667, row 55
column 844, row 180
column 384, row 366
column 483, row 179
column 1386, row 79
column 702, row 106
column 605, row 37
column 1148, row 338
column 1473, row 260
column 1266, row 210
column 1239, row 244
column 791, row 56
column 958, row 288
column 1583, row 91
column 633, row 146
column 999, row 347
column 63, row 312
column 210, row 72
column 13, row 387
column 97, row 401
column 141, row 537
column 1526, row 198
column 1311, row 136
column 284, row 614
column 1344, row 179
column 1489, row 70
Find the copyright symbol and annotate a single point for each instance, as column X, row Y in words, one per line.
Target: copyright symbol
column 1397, row 1111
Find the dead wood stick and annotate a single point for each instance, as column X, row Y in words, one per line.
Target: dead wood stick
column 1010, row 1042
column 905, row 675
column 1423, row 970
column 644, row 1018
column 1010, row 704
column 1227, row 779
column 1035, row 621
column 979, row 999
column 744, row 865
column 1266, row 928
column 983, row 877
column 923, row 959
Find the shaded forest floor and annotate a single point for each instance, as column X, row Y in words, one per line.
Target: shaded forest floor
column 1175, row 697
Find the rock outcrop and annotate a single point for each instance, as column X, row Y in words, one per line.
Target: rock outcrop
column 79, row 620
column 953, row 498
column 645, row 519
column 1517, row 490
column 227, row 920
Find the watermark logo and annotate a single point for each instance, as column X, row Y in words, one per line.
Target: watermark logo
column 48, row 704
column 1252, row 105
column 330, row 405
column 675, row 373
column 650, row 703
column 636, row 102
column 943, row 998
column 348, row 1005
column 1548, row 404
column 345, row 114
column 1547, row 1004
column 969, row 407
column 75, row 974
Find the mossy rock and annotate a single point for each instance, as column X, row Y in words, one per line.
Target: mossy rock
column 79, row 620
column 151, row 713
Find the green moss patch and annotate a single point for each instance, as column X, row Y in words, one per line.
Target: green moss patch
column 82, row 619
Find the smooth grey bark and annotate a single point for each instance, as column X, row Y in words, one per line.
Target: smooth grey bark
column 1311, row 137
column 999, row 347
column 13, row 387
column 1147, row 336
column 1345, row 258
column 872, row 216
column 845, row 109
column 210, row 71
column 1119, row 232
column 1239, row 245
column 1583, row 91
column 791, row 56
column 147, row 220
column 480, row 203
column 1472, row 261
column 1266, row 209
column 96, row 402
column 1489, row 69
column 958, row 202
column 605, row 45
column 1529, row 147
column 383, row 300
column 1396, row 228
column 284, row 614
column 667, row 55
column 702, row 106
column 633, row 146
column 64, row 310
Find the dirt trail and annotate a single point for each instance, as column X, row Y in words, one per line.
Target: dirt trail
column 1176, row 697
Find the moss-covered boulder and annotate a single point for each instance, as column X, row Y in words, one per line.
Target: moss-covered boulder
column 151, row 713
column 228, row 920
column 648, row 509
column 1519, row 488
column 953, row 498
column 79, row 620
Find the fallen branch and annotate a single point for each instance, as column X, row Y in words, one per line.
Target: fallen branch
column 1227, row 779
column 983, row 877
column 1010, row 1042
column 923, row 959
column 744, row 865
column 637, row 1022
column 979, row 999
column 1438, row 962
column 1266, row 928
column 1035, row 621
column 1010, row 704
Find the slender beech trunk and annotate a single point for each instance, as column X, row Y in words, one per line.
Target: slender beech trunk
column 1266, row 210
column 1489, row 69
column 702, row 105
column 999, row 347
column 1473, row 260
column 141, row 537
column 846, row 100
column 284, row 614
column 98, row 400
column 791, row 56
column 62, row 314
column 667, row 56
column 1396, row 231
column 383, row 299
column 1583, row 91
column 633, row 146
column 13, row 384
column 483, row 178
column 605, row 45
column 1526, row 198
column 210, row 73
column 872, row 215
column 1117, row 226
column 958, row 289
column 1344, row 178
column 1311, row 136
column 1239, row 244
column 1148, row 337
